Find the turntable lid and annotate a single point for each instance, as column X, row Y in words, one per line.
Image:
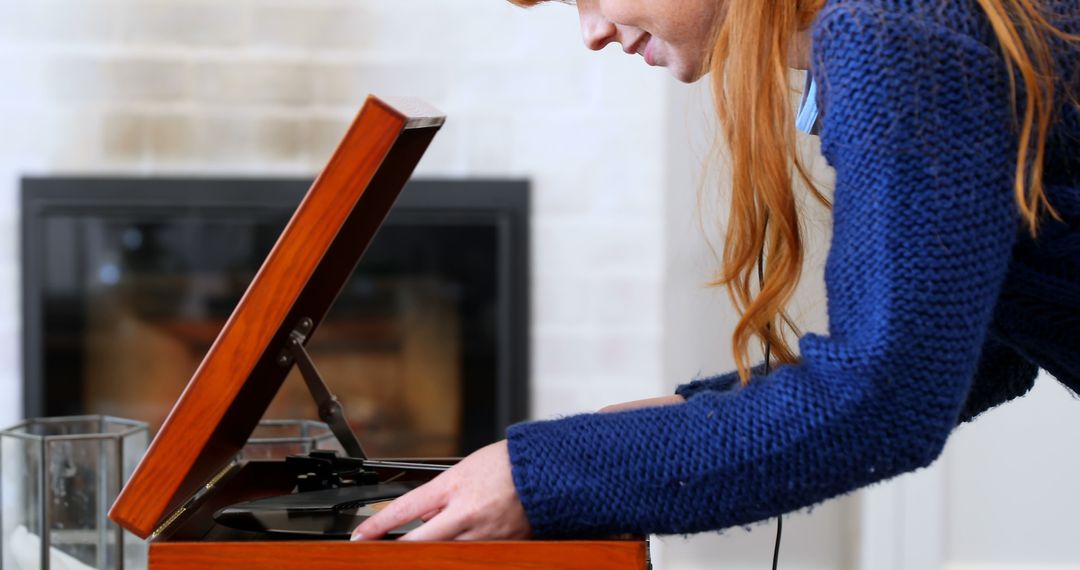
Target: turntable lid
column 300, row 278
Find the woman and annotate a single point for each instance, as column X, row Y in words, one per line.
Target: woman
column 954, row 271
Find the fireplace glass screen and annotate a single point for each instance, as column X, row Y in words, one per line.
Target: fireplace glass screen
column 129, row 282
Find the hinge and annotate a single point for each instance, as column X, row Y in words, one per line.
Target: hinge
column 190, row 503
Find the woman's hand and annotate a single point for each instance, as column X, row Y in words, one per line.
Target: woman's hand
column 473, row 500
column 646, row 403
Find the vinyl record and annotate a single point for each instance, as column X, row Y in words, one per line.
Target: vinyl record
column 330, row 513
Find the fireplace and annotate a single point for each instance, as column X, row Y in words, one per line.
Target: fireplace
column 127, row 282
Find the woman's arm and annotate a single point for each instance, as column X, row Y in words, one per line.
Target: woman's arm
column 917, row 127
column 1003, row 374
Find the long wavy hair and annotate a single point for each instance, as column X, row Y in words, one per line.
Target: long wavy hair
column 749, row 71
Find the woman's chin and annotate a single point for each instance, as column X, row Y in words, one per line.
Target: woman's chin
column 686, row 74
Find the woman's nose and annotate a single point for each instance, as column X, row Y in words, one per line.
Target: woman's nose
column 596, row 30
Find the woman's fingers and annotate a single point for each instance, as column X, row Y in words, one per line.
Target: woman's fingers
column 447, row 525
column 415, row 504
column 474, row 499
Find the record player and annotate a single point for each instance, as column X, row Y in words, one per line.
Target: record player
column 200, row 507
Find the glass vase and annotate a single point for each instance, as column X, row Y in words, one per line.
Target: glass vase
column 276, row 439
column 58, row 479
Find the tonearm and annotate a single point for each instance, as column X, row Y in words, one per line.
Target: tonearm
column 330, row 408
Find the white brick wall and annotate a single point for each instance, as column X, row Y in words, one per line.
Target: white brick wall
column 268, row 86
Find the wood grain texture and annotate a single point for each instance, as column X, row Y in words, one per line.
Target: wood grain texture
column 389, row 555
column 196, row 439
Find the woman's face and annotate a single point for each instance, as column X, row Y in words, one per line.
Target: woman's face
column 668, row 33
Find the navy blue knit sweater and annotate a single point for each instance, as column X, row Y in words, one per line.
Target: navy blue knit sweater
column 940, row 305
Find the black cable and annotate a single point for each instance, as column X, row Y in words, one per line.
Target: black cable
column 776, row 549
column 768, row 367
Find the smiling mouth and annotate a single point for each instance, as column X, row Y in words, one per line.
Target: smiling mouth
column 638, row 47
column 648, row 54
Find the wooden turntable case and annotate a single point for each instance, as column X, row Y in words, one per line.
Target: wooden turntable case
column 189, row 470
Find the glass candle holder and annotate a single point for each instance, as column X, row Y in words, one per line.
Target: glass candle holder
column 58, row 479
column 276, row 439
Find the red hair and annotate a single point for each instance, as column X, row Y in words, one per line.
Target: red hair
column 748, row 65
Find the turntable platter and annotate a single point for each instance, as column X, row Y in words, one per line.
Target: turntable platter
column 329, row 513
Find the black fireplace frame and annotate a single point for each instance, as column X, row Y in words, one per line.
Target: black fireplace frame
column 504, row 202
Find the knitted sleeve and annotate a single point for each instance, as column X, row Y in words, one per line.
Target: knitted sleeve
column 1003, row 374
column 721, row 382
column 917, row 127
